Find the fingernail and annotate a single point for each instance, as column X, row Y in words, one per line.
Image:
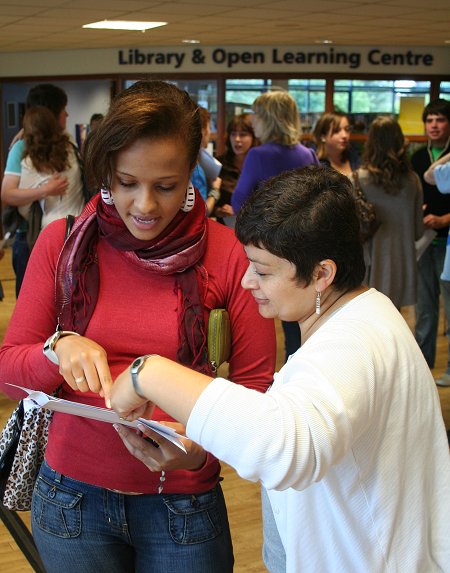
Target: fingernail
column 108, row 403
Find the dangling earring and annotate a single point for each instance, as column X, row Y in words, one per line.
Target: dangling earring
column 323, row 140
column 318, row 302
column 106, row 196
column 189, row 199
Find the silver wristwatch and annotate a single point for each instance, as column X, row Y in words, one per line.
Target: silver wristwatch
column 136, row 367
column 50, row 343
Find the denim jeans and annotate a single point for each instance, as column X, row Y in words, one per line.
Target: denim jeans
column 429, row 288
column 20, row 256
column 80, row 528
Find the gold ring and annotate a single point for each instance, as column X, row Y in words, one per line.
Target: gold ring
column 80, row 380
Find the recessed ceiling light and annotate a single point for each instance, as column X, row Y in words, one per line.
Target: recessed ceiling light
column 124, row 25
column 323, row 42
column 191, row 41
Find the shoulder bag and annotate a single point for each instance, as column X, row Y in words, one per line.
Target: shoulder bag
column 22, row 448
column 219, row 337
column 368, row 223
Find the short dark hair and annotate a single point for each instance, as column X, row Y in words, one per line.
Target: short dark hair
column 47, row 95
column 437, row 106
column 96, row 117
column 147, row 109
column 305, row 216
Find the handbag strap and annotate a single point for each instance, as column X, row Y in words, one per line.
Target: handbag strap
column 357, row 185
column 70, row 220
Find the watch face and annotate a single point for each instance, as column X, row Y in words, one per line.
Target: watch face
column 137, row 364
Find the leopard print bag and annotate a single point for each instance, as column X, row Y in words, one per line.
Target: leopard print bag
column 22, row 448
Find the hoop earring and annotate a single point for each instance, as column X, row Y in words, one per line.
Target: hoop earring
column 189, row 199
column 106, row 196
column 318, row 295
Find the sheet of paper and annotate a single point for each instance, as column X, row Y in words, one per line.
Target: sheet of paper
column 424, row 242
column 43, row 400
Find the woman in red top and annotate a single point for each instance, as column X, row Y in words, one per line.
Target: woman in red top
column 139, row 273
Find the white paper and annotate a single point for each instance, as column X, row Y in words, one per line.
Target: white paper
column 43, row 400
column 211, row 166
column 424, row 241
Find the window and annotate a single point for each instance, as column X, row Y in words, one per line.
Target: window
column 363, row 100
column 308, row 93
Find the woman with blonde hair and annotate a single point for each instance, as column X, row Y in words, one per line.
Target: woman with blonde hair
column 332, row 139
column 276, row 123
column 388, row 181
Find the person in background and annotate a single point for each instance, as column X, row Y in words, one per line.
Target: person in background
column 140, row 272
column 240, row 138
column 349, row 443
column 389, row 183
column 436, row 118
column 276, row 123
column 332, row 139
column 207, row 184
column 48, row 153
column 439, row 174
column 55, row 99
column 96, row 118
column 199, row 179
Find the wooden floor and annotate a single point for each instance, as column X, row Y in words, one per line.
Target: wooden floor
column 242, row 497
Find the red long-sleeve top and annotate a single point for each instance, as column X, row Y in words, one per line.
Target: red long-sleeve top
column 135, row 314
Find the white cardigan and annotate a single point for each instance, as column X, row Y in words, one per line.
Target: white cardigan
column 350, row 444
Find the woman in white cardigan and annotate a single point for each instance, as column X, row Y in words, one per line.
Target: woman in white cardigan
column 349, row 443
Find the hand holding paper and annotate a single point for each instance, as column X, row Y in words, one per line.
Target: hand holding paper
column 43, row 400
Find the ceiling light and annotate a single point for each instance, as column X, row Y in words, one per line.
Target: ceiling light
column 323, row 42
column 124, row 25
column 191, row 41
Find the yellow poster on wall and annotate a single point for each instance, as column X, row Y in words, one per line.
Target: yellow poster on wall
column 410, row 116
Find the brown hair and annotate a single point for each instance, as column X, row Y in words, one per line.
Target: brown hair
column 148, row 109
column 205, row 116
column 326, row 122
column 240, row 122
column 384, row 154
column 45, row 144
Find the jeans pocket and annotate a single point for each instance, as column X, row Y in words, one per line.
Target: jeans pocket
column 194, row 518
column 56, row 508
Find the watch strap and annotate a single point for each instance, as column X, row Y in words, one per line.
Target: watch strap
column 136, row 367
column 51, row 341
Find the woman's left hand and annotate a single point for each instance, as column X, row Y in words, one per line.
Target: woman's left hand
column 165, row 455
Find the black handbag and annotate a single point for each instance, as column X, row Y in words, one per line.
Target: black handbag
column 368, row 222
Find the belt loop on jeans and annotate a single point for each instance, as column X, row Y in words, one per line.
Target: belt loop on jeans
column 57, row 476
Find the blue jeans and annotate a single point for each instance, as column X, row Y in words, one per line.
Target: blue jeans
column 20, row 256
column 80, row 528
column 429, row 288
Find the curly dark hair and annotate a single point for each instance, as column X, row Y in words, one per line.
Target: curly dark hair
column 305, row 216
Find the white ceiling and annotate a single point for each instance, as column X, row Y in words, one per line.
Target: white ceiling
column 27, row 25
